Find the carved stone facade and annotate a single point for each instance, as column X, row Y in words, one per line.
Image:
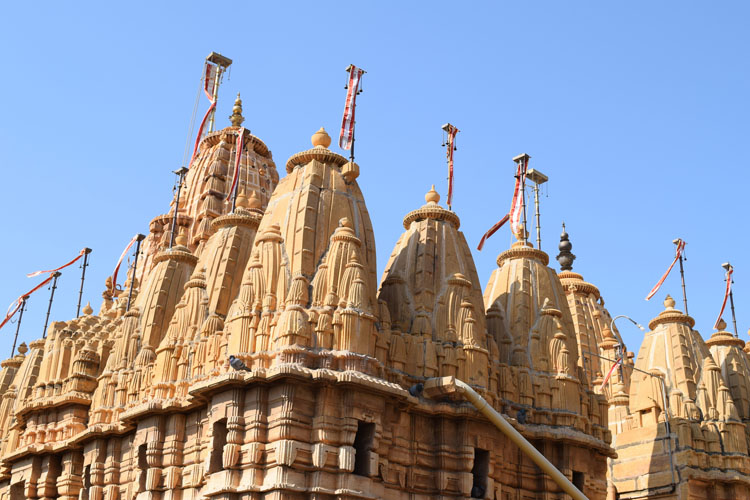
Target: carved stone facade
column 319, row 400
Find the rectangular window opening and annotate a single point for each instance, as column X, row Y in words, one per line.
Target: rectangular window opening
column 217, row 450
column 578, row 480
column 363, row 442
column 479, row 472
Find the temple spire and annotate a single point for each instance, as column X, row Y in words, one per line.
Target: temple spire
column 565, row 257
column 236, row 117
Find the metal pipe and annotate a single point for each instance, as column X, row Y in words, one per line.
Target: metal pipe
column 734, row 318
column 181, row 172
column 536, row 210
column 86, row 252
column 506, row 428
column 684, row 293
column 51, row 298
column 18, row 326
column 219, row 71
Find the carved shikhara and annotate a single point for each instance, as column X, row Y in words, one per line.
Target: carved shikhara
column 143, row 404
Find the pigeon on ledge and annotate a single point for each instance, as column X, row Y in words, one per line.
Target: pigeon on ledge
column 237, row 364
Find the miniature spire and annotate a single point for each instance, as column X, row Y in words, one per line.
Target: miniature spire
column 236, row 117
column 181, row 239
column 87, row 309
column 432, row 196
column 254, row 202
column 565, row 257
column 321, row 138
column 669, row 303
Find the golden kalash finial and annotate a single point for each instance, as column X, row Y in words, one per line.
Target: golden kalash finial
column 236, row 117
column 432, row 196
column 321, row 139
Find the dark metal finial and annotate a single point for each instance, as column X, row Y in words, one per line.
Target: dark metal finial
column 565, row 257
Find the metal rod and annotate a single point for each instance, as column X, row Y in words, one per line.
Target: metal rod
column 523, row 202
column 140, row 238
column 536, row 209
column 181, row 172
column 18, row 326
column 731, row 305
column 506, row 428
column 682, row 276
column 51, row 298
column 86, row 253
column 219, row 71
column 238, row 159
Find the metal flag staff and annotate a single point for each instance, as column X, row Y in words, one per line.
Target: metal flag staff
column 518, row 209
column 181, row 172
column 51, row 298
column 214, row 68
column 450, row 142
column 354, row 88
column 18, row 326
column 138, row 239
column 538, row 179
column 86, row 252
column 730, row 280
column 680, row 253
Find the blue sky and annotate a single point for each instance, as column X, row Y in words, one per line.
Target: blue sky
column 637, row 111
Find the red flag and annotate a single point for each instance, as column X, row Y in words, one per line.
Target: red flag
column 452, row 131
column 611, row 371
column 209, row 87
column 16, row 305
column 516, row 206
column 492, row 231
column 37, row 273
column 680, row 247
column 346, row 137
column 238, row 156
column 726, row 295
column 119, row 262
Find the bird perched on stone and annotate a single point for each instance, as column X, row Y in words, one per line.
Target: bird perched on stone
column 237, row 364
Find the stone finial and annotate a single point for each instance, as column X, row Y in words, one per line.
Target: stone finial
column 254, row 202
column 321, row 138
column 565, row 258
column 23, row 349
column 236, row 117
column 432, row 196
column 669, row 302
column 181, row 238
column 721, row 325
column 241, row 201
column 87, row 309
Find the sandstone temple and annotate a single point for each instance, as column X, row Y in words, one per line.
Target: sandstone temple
column 342, row 382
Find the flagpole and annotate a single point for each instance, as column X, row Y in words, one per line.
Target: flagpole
column 18, row 327
column 139, row 238
column 86, row 252
column 181, row 172
column 682, row 276
column 51, row 298
column 728, row 266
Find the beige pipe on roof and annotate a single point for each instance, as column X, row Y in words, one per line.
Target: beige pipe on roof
column 439, row 386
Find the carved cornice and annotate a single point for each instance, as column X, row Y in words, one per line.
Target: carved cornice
column 522, row 251
column 178, row 253
column 671, row 316
column 724, row 339
column 432, row 211
column 213, row 138
column 245, row 218
column 321, row 154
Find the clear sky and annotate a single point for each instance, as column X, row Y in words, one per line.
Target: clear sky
column 637, row 112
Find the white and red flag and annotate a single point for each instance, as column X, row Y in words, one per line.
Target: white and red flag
column 346, row 137
column 726, row 295
column 452, row 131
column 209, row 88
column 37, row 273
column 238, row 156
column 516, row 207
column 119, row 262
column 611, row 371
column 680, row 248
column 18, row 303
